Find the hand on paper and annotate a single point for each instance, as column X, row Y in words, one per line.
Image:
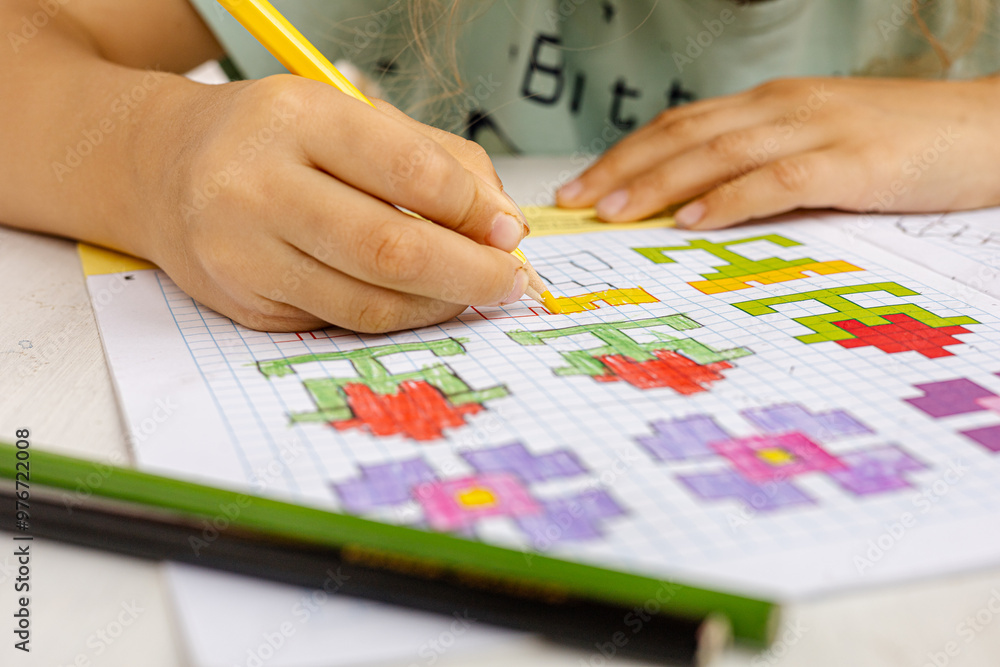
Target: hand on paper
column 848, row 143
column 280, row 212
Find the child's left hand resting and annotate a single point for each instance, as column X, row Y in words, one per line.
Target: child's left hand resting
column 848, row 143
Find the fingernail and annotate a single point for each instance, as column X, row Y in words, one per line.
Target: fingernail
column 690, row 214
column 571, row 190
column 520, row 284
column 506, row 232
column 612, row 204
column 520, row 214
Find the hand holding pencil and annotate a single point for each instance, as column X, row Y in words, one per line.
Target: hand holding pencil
column 283, row 203
column 292, row 49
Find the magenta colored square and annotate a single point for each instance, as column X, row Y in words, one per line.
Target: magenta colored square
column 745, row 455
column 445, row 512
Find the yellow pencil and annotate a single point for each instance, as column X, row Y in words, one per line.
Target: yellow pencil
column 300, row 57
column 288, row 45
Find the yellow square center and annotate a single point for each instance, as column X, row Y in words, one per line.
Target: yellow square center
column 476, row 497
column 775, row 456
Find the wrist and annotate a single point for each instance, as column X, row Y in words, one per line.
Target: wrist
column 166, row 132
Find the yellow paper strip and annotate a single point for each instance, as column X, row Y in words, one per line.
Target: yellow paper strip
column 552, row 221
column 98, row 261
column 544, row 221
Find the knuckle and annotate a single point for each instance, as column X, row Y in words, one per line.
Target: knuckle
column 792, row 175
column 687, row 126
column 437, row 177
column 419, row 168
column 475, row 154
column 376, row 316
column 261, row 321
column 651, row 185
column 476, row 159
column 283, row 91
column 728, row 147
column 398, row 253
column 262, row 314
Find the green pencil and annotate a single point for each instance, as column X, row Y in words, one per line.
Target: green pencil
column 161, row 517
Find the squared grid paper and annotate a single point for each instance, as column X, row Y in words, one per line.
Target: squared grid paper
column 964, row 245
column 665, row 527
column 973, row 233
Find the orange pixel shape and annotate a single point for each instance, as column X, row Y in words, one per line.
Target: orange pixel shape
column 613, row 297
column 770, row 277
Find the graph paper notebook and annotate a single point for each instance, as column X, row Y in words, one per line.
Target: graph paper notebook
column 775, row 411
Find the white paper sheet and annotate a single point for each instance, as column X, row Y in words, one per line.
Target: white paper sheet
column 733, row 452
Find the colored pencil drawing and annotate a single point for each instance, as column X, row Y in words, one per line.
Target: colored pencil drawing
column 683, row 364
column 892, row 329
column 960, row 397
column 516, row 310
column 419, row 405
column 741, row 271
column 789, row 441
column 564, row 305
column 309, row 336
column 501, row 486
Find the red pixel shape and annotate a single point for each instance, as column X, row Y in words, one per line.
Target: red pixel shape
column 669, row 369
column 903, row 335
column 418, row 410
column 533, row 311
column 312, row 334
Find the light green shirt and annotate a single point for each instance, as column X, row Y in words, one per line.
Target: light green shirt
column 574, row 76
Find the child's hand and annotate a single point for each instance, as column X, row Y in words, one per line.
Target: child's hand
column 275, row 201
column 853, row 144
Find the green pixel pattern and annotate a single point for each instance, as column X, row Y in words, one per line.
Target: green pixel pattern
column 328, row 393
column 738, row 265
column 616, row 341
column 845, row 309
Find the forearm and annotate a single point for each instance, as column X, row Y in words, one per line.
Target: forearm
column 75, row 156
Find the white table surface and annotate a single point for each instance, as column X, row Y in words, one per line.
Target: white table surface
column 54, row 381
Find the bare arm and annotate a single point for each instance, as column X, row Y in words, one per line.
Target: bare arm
column 268, row 200
column 75, row 98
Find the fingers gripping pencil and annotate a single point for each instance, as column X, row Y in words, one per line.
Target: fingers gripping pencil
column 300, row 57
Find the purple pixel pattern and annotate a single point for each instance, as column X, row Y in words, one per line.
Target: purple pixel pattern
column 386, row 484
column 876, row 470
column 988, row 437
column 575, row 518
column 498, row 489
column 730, row 484
column 515, row 458
column 794, row 417
column 681, row 439
column 950, row 397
